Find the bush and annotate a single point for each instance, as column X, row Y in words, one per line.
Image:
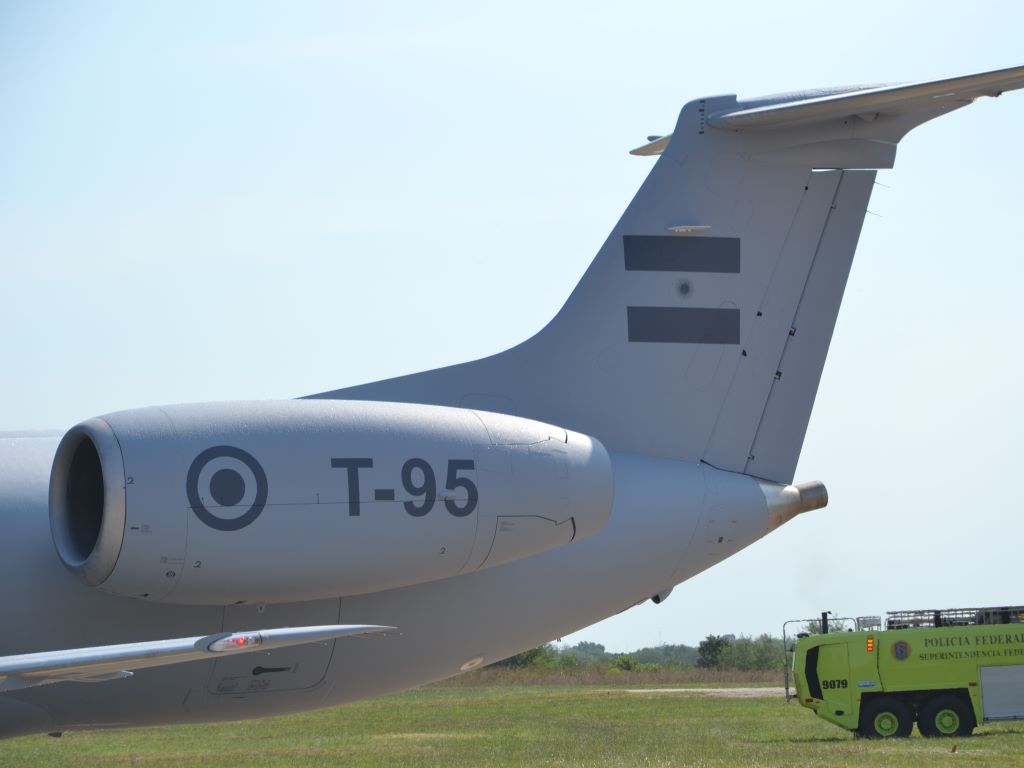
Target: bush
column 544, row 656
column 742, row 654
column 568, row 661
column 625, row 662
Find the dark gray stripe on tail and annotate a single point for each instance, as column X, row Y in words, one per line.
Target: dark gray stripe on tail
column 678, row 325
column 661, row 253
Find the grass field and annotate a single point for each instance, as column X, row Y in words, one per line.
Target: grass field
column 483, row 725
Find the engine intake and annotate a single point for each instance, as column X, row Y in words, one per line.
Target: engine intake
column 87, row 501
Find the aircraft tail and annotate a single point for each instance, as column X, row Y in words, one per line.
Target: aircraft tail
column 700, row 330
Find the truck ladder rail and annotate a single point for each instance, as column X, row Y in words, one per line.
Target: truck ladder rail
column 954, row 617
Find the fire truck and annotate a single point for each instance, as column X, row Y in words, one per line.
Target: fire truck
column 947, row 670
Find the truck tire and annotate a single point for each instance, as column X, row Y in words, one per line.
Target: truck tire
column 885, row 718
column 946, row 715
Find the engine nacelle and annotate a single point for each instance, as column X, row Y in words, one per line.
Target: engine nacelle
column 301, row 499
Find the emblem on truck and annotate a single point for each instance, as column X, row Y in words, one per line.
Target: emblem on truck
column 901, row 650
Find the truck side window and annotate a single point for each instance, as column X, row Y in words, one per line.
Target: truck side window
column 811, row 673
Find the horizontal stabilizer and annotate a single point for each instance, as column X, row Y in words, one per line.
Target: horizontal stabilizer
column 865, row 103
column 655, row 147
column 114, row 662
column 874, row 102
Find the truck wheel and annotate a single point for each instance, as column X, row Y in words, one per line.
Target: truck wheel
column 885, row 718
column 946, row 716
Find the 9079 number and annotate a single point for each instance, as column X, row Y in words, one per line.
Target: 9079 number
column 833, row 684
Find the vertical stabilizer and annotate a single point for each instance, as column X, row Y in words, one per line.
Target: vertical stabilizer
column 700, row 330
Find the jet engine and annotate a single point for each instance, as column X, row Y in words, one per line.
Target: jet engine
column 295, row 500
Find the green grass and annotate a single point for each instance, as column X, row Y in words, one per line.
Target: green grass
column 521, row 725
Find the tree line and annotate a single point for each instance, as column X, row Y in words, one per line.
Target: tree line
column 719, row 652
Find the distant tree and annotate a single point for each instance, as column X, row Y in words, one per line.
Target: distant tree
column 739, row 654
column 586, row 653
column 709, row 652
column 672, row 656
column 714, row 652
column 763, row 653
column 768, row 653
column 541, row 656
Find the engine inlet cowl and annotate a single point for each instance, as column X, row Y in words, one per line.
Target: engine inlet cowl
column 87, row 501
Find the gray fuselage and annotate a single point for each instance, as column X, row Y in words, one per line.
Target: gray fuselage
column 662, row 531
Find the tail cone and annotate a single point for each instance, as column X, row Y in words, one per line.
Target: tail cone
column 787, row 501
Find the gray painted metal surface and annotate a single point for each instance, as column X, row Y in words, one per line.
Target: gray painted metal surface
column 680, row 374
column 110, row 662
column 675, row 362
column 464, row 490
column 657, row 534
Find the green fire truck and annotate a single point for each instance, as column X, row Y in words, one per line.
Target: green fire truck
column 947, row 670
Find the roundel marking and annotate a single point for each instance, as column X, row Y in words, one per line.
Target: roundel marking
column 227, row 487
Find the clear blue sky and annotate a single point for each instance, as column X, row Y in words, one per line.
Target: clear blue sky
column 213, row 201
